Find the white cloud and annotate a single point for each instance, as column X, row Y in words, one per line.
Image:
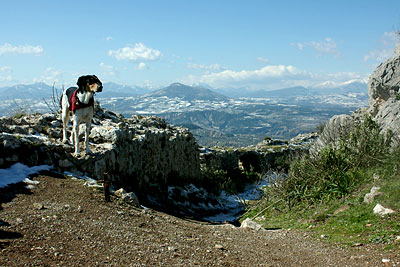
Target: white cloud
column 326, row 46
column 212, row 67
column 263, row 59
column 51, row 76
column 108, row 70
column 300, row 46
column 109, row 38
column 387, row 44
column 270, row 77
column 141, row 66
column 138, row 52
column 22, row 49
column 267, row 77
column 5, row 74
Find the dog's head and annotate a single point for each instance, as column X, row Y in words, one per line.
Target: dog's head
column 90, row 83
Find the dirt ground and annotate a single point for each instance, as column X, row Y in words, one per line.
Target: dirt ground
column 61, row 222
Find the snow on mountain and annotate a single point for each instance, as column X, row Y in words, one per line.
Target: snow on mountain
column 358, row 86
column 188, row 93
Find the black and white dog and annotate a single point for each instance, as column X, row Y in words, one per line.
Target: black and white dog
column 80, row 103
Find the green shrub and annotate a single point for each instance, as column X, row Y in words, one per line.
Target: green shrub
column 337, row 170
column 232, row 181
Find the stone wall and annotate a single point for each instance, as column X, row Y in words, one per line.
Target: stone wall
column 139, row 153
column 262, row 158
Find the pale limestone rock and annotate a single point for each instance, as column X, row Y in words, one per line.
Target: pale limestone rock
column 120, row 192
column 382, row 211
column 384, row 82
column 248, row 223
column 369, row 198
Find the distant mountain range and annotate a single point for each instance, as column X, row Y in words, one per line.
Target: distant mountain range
column 235, row 117
column 291, row 92
column 42, row 90
column 21, row 91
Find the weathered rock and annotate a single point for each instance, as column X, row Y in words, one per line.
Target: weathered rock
column 120, row 192
column 383, row 90
column 369, row 198
column 248, row 223
column 131, row 198
column 303, row 139
column 382, row 211
column 388, row 116
column 338, row 127
column 384, row 82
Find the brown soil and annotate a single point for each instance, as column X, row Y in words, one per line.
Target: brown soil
column 61, row 222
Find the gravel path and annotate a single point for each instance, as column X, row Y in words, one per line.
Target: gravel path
column 61, row 222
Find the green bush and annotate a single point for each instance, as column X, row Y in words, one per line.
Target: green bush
column 233, row 181
column 337, row 170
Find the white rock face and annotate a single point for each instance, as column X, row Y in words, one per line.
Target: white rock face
column 384, row 82
column 382, row 211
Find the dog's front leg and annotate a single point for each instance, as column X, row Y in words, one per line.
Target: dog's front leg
column 87, row 132
column 75, row 133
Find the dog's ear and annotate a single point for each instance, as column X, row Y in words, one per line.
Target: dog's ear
column 97, row 79
column 82, row 81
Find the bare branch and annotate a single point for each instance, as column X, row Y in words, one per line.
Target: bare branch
column 54, row 104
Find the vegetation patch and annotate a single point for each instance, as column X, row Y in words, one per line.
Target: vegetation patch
column 232, row 182
column 324, row 193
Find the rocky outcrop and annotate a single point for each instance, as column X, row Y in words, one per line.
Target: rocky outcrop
column 384, row 82
column 383, row 105
column 338, row 127
column 140, row 153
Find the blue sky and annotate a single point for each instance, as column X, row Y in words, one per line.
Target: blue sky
column 252, row 44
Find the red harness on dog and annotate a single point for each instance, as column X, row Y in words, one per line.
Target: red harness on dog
column 74, row 102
